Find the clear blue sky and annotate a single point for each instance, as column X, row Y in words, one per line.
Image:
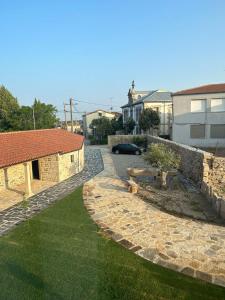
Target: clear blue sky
column 92, row 50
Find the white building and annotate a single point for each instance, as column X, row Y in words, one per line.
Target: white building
column 199, row 116
column 89, row 117
column 158, row 100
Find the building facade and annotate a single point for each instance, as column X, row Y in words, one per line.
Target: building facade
column 158, row 100
column 49, row 155
column 199, row 116
column 89, row 117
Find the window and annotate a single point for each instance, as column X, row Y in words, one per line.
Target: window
column 138, row 113
column 198, row 105
column 125, row 116
column 72, row 158
column 100, row 114
column 197, row 131
column 217, row 105
column 131, row 112
column 217, row 131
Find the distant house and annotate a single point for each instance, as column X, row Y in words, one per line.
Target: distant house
column 199, row 116
column 77, row 126
column 47, row 155
column 158, row 100
column 89, row 117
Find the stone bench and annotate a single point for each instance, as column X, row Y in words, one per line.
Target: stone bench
column 132, row 186
column 151, row 171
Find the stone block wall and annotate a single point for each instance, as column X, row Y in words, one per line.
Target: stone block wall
column 14, row 174
column 202, row 167
column 2, row 179
column 121, row 139
column 68, row 168
column 193, row 161
column 49, row 168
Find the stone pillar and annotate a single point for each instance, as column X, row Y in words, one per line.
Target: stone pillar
column 28, row 190
column 78, row 161
column 6, row 178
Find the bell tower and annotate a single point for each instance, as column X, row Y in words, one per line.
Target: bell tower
column 131, row 93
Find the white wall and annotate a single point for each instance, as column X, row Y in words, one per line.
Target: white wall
column 183, row 118
column 88, row 118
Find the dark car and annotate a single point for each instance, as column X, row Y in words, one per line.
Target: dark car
column 126, row 149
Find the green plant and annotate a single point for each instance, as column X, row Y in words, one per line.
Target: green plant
column 149, row 118
column 140, row 141
column 163, row 158
column 129, row 126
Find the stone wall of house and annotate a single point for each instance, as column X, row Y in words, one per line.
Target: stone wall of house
column 49, row 168
column 14, row 175
column 67, row 167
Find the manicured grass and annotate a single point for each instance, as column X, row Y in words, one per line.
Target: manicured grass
column 59, row 254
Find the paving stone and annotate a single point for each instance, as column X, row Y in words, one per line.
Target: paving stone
column 204, row 276
column 188, row 271
column 126, row 243
column 193, row 247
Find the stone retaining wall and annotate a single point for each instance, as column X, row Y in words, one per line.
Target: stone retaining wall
column 202, row 167
column 193, row 161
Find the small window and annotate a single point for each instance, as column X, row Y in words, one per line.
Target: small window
column 197, row 131
column 72, row 158
column 217, row 131
column 198, row 105
column 217, row 105
column 100, row 114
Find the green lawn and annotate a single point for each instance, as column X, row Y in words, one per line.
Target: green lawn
column 59, row 254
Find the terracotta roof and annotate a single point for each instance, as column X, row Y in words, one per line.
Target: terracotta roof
column 204, row 89
column 21, row 146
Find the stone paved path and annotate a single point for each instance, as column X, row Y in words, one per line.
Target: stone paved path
column 11, row 217
column 192, row 247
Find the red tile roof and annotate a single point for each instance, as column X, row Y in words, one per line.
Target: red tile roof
column 22, row 146
column 204, row 89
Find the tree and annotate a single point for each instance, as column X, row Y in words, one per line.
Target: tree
column 117, row 124
column 163, row 158
column 101, row 128
column 129, row 126
column 45, row 115
column 25, row 118
column 9, row 109
column 148, row 119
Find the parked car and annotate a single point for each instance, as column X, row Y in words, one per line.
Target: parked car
column 126, row 149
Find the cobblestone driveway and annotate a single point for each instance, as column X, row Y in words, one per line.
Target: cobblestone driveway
column 16, row 214
column 192, row 247
column 123, row 161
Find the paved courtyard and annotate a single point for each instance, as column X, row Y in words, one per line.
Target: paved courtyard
column 192, row 247
column 10, row 197
column 16, row 214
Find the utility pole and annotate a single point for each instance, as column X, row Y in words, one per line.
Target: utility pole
column 34, row 119
column 65, row 114
column 71, row 113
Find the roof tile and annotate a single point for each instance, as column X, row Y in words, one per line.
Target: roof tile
column 21, row 146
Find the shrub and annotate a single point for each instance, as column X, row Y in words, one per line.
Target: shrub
column 162, row 157
column 140, row 141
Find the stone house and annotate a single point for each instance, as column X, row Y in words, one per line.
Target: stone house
column 45, row 155
column 158, row 100
column 199, row 116
column 89, row 117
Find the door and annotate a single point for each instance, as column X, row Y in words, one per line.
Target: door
column 35, row 169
